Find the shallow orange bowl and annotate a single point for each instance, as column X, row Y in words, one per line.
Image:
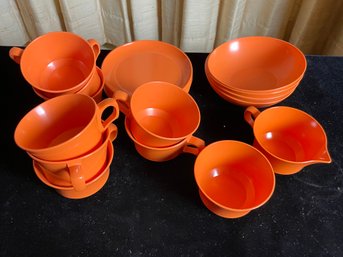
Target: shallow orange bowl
column 253, row 97
column 256, row 63
column 262, row 94
column 245, row 103
column 257, row 100
column 243, row 100
column 133, row 64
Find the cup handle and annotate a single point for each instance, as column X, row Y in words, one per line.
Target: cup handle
column 15, row 53
column 124, row 99
column 95, row 46
column 76, row 177
column 112, row 131
column 102, row 106
column 250, row 115
column 194, row 145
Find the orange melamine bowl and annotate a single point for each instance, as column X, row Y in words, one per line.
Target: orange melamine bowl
column 128, row 66
column 233, row 178
column 257, row 63
column 247, row 101
column 262, row 94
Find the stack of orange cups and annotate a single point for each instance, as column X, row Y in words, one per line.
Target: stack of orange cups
column 59, row 63
column 161, row 119
column 69, row 142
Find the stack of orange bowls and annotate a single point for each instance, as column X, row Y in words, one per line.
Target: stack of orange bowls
column 257, row 70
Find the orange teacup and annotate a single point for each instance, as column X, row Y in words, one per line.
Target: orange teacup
column 92, row 186
column 92, row 89
column 192, row 145
column 161, row 114
column 65, row 127
column 78, row 171
column 233, row 178
column 58, row 62
column 291, row 139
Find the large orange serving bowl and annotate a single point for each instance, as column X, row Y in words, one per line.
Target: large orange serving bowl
column 255, row 70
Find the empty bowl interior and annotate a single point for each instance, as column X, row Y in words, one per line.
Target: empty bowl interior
column 256, row 63
column 133, row 64
column 57, row 61
column 290, row 134
column 54, row 121
column 172, row 114
column 234, row 175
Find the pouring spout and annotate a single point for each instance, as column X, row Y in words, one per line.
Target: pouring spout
column 324, row 157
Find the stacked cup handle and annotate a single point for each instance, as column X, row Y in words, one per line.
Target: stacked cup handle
column 15, row 54
column 124, row 99
column 96, row 47
column 250, row 115
column 194, row 146
column 76, row 176
column 103, row 105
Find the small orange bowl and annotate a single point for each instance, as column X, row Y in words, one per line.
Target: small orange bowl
column 233, row 178
column 257, row 63
column 133, row 64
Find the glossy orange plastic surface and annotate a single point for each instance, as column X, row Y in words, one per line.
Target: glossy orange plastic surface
column 233, row 178
column 58, row 62
column 92, row 186
column 261, row 94
column 258, row 71
column 290, row 138
column 192, row 145
column 78, row 171
column 93, row 88
column 241, row 101
column 256, row 63
column 65, row 127
column 130, row 65
column 162, row 114
column 98, row 96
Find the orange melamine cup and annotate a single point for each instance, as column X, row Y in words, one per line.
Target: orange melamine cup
column 290, row 138
column 78, row 171
column 233, row 178
column 92, row 186
column 192, row 145
column 98, row 95
column 92, row 89
column 58, row 62
column 65, row 127
column 161, row 114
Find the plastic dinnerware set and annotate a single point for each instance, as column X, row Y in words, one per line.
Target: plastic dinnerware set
column 72, row 147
